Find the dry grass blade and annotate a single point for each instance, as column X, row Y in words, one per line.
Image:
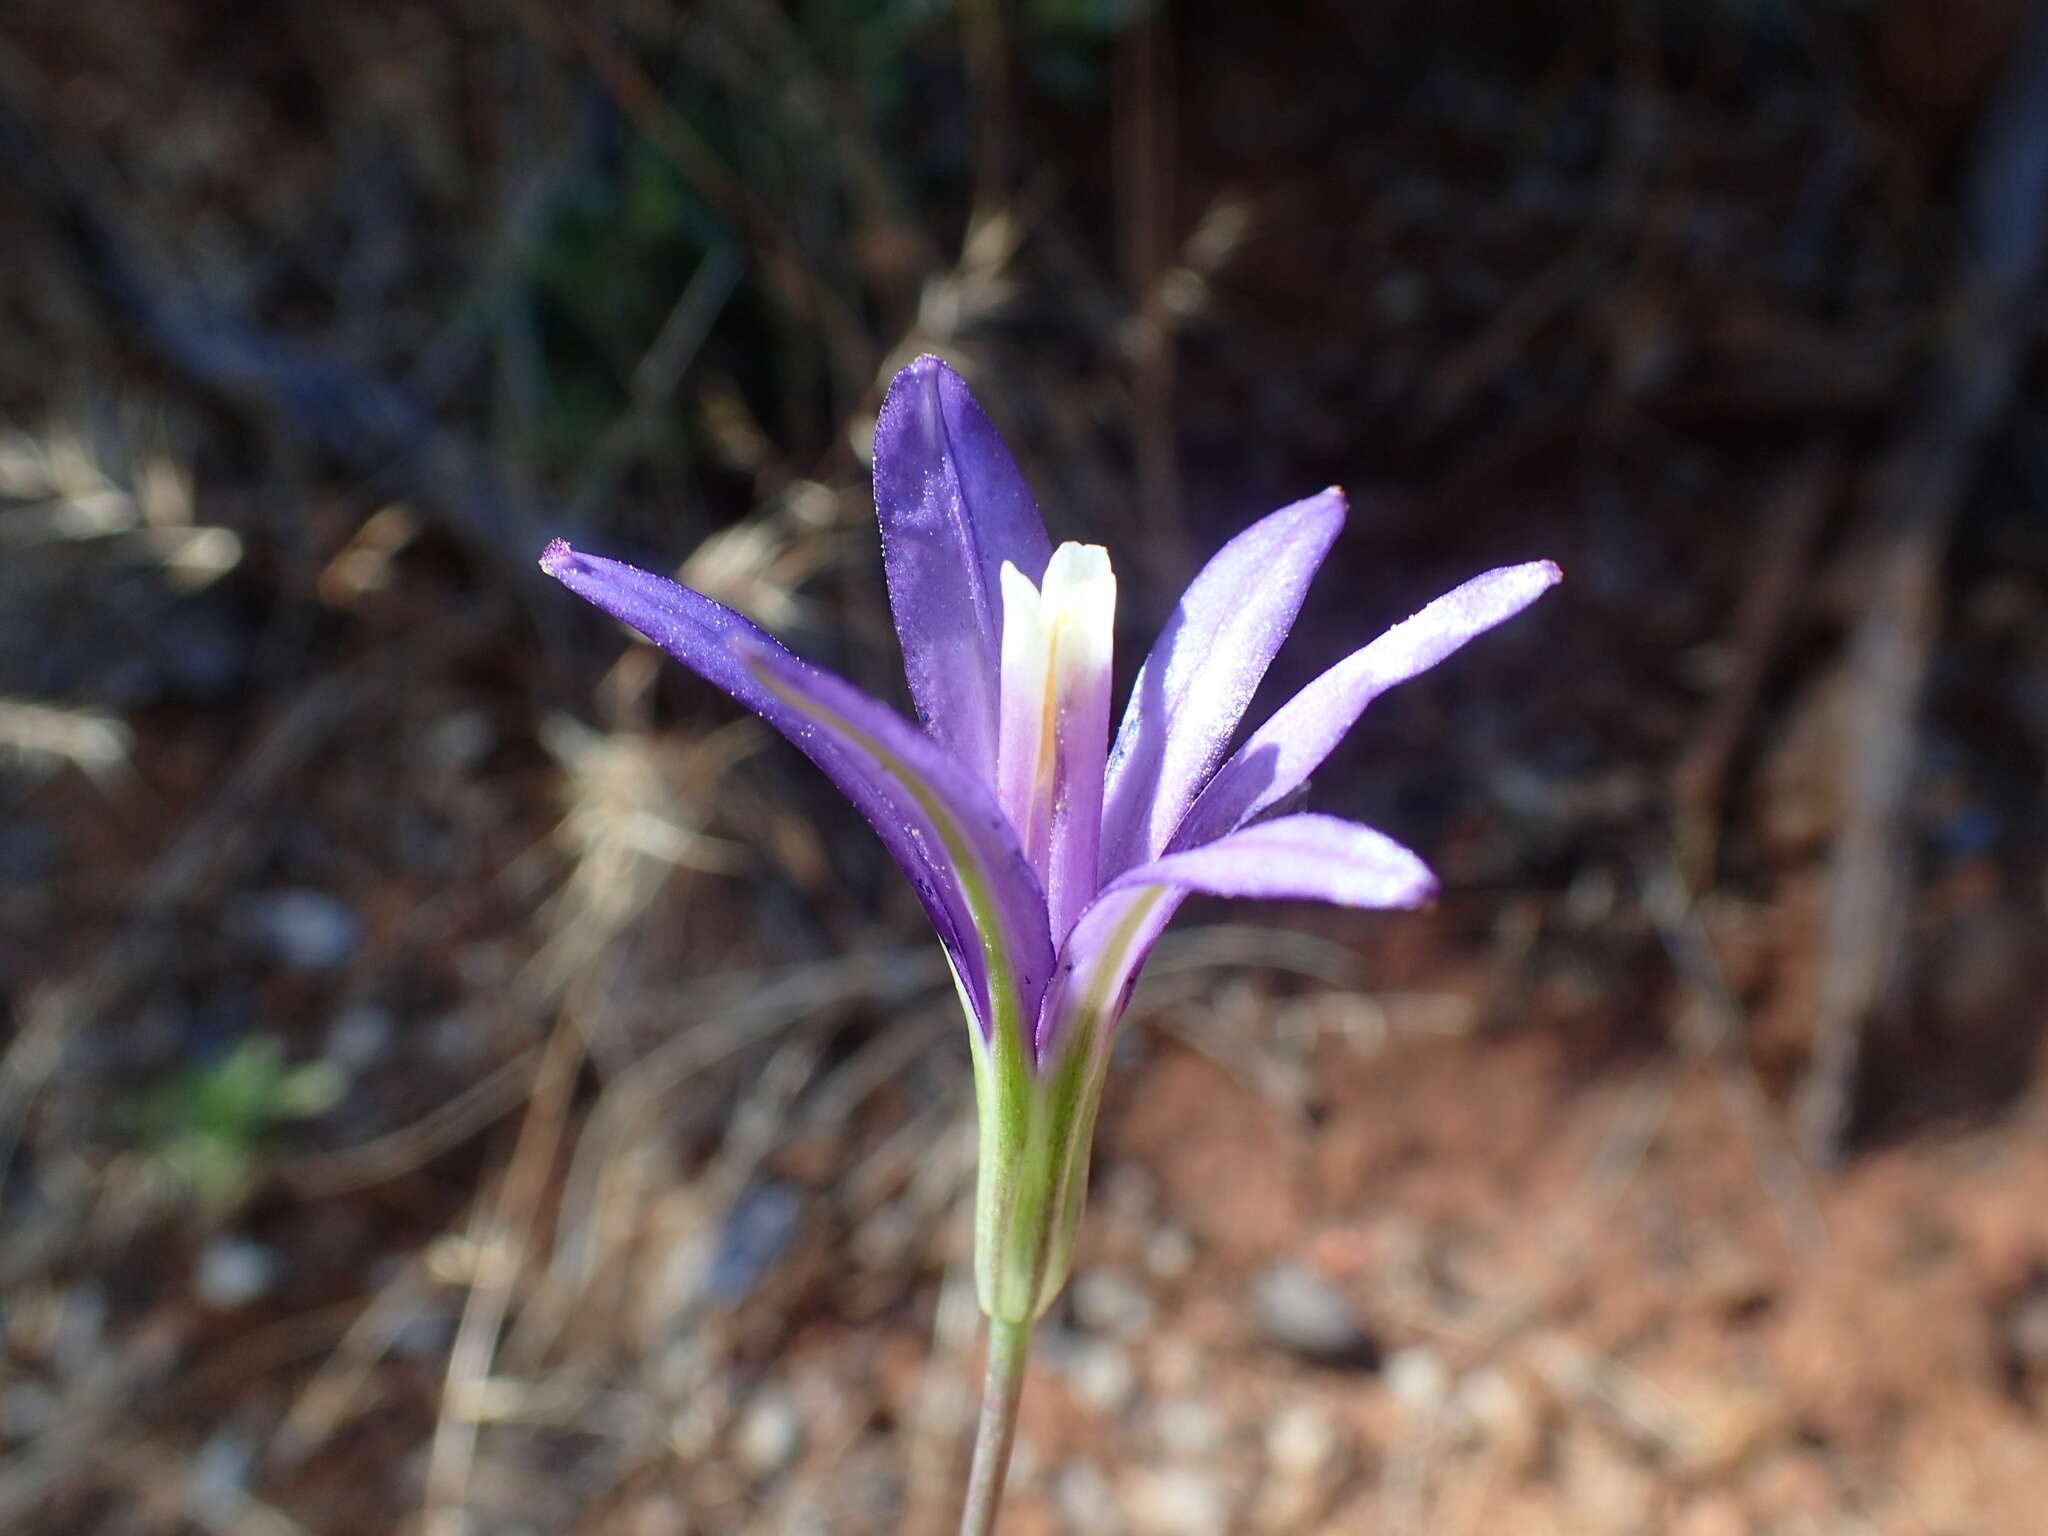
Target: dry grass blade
column 502, row 1239
column 724, row 1017
column 326, row 1174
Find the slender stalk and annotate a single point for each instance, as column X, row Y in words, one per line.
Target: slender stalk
column 1009, row 1346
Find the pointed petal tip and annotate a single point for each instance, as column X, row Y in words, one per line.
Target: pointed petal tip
column 1329, row 502
column 1203, row 670
column 927, row 369
column 953, row 507
column 1320, row 517
column 556, row 557
column 1527, row 581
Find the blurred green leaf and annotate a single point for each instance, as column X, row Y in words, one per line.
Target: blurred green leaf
column 209, row 1125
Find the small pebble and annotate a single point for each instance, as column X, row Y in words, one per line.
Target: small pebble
column 1169, row 1254
column 770, row 1433
column 1177, row 1501
column 1190, row 1429
column 217, row 1482
column 232, row 1272
column 1418, row 1380
column 1111, row 1302
column 422, row 1334
column 757, row 1231
column 1086, row 1500
column 305, row 930
column 1297, row 1310
column 1301, row 1442
column 360, row 1037
column 1101, row 1375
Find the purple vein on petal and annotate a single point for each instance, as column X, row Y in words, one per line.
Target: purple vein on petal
column 1202, row 672
column 952, row 507
column 902, row 782
column 1283, row 752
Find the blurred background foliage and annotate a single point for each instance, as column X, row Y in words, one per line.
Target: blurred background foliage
column 456, row 1076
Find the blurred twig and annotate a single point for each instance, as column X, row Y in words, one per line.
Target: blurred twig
column 368, row 426
column 1790, row 523
column 1913, row 498
column 501, row 1242
column 725, row 1015
column 325, row 1174
column 661, row 368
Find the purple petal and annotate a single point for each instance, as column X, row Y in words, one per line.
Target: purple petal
column 953, row 508
column 948, row 818
column 1202, row 673
column 1099, row 964
column 937, row 820
column 1293, row 858
column 1297, row 858
column 1289, row 747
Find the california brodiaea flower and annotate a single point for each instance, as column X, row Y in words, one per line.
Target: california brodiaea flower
column 1047, row 858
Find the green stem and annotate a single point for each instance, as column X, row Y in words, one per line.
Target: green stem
column 1009, row 1346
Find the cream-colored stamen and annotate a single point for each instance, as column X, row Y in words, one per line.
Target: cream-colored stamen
column 1052, row 735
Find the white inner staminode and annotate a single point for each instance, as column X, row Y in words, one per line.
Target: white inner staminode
column 1053, row 732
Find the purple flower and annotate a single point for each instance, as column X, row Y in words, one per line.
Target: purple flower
column 1048, row 860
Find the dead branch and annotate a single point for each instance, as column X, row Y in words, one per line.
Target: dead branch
column 1913, row 498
